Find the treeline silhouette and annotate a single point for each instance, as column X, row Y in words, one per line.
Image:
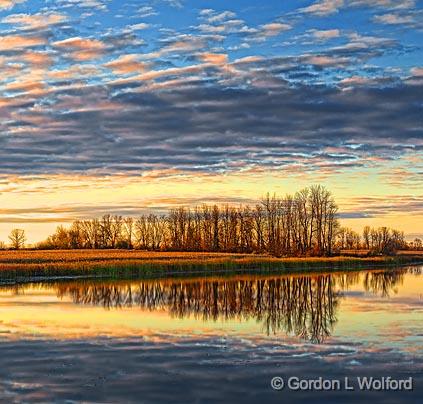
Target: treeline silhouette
column 380, row 240
column 303, row 224
column 304, row 306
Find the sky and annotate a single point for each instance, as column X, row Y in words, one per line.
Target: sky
column 127, row 107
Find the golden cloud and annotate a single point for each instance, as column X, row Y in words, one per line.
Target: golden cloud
column 82, row 49
column 126, row 64
column 214, row 58
column 13, row 42
column 36, row 21
column 7, row 4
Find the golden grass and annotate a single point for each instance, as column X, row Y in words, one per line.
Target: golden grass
column 59, row 257
column 96, row 258
column 63, row 256
column 92, row 257
column 25, row 264
column 411, row 252
column 364, row 253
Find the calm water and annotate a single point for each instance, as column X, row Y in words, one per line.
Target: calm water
column 211, row 339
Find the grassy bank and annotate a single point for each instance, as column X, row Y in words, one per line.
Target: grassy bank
column 21, row 266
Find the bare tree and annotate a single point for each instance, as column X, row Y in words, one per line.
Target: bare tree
column 417, row 244
column 366, row 237
column 129, row 231
column 17, row 239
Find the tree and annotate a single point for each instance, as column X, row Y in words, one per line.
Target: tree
column 17, row 238
column 418, row 245
column 366, row 237
column 129, row 231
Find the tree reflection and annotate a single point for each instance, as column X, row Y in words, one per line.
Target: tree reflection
column 304, row 306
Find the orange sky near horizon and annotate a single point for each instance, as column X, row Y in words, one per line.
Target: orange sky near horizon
column 38, row 204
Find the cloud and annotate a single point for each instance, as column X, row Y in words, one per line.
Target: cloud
column 417, row 71
column 202, row 125
column 146, row 11
column 126, row 64
column 394, row 19
column 74, row 72
column 274, row 28
column 80, row 43
column 386, row 4
column 38, row 59
column 213, row 17
column 177, row 46
column 100, row 5
column 321, row 60
column 323, row 7
column 214, row 58
column 206, row 97
column 224, row 23
column 265, row 31
column 355, row 80
column 174, row 3
column 70, row 213
column 81, row 49
column 388, row 204
column 173, row 72
column 140, row 26
column 14, row 42
column 8, row 4
column 26, row 87
column 326, row 34
column 35, row 21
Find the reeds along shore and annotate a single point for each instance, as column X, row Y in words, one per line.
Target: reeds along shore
column 304, row 224
column 26, row 265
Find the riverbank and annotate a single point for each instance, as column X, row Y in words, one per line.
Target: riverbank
column 29, row 265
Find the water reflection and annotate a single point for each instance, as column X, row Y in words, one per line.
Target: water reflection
column 304, row 306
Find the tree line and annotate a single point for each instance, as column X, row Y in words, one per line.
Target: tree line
column 303, row 224
column 380, row 240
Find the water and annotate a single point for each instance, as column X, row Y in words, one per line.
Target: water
column 212, row 339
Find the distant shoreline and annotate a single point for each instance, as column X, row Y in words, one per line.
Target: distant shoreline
column 43, row 265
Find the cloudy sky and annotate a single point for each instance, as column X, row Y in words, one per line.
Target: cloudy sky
column 129, row 106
